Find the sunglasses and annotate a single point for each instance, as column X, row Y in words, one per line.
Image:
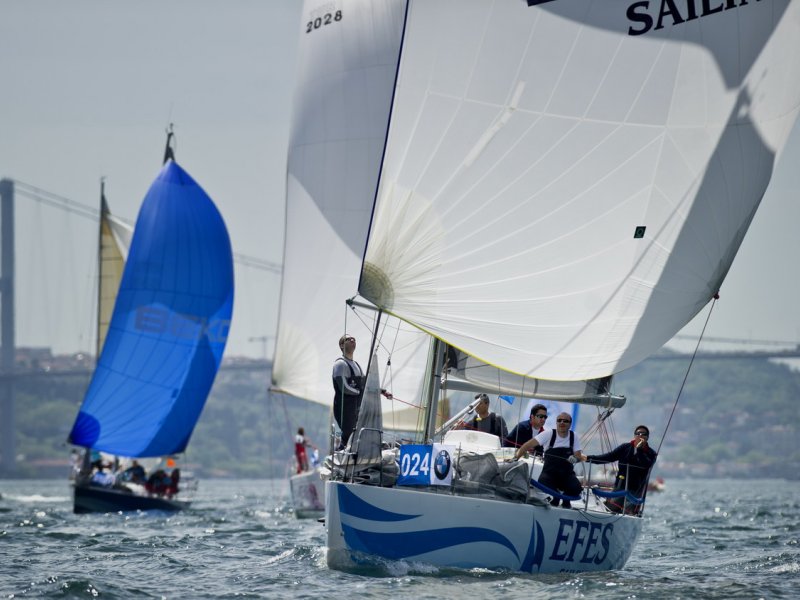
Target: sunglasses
column 540, row 416
column 642, row 434
column 563, row 420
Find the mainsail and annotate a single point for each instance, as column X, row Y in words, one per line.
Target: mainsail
column 169, row 326
column 342, row 104
column 114, row 242
column 561, row 190
column 563, row 186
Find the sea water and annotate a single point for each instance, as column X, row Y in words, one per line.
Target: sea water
column 701, row 539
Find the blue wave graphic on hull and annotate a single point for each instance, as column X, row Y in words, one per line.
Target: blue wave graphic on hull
column 412, row 543
column 535, row 553
column 350, row 504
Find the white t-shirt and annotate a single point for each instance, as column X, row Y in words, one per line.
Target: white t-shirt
column 561, row 442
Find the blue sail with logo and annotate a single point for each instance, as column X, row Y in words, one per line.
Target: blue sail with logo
column 169, row 326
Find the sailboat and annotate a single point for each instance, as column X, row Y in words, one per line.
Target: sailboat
column 161, row 347
column 325, row 230
column 562, row 185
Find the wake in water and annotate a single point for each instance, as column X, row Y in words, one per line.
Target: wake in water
column 701, row 539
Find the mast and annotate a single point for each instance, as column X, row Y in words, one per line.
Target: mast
column 432, row 385
column 103, row 216
column 169, row 148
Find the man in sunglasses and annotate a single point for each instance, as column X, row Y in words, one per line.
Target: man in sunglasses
column 635, row 459
column 562, row 449
column 348, row 384
column 525, row 430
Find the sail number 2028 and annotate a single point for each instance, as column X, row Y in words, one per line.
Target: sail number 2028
column 325, row 19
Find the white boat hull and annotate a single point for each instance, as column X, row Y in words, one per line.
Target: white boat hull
column 364, row 522
column 308, row 494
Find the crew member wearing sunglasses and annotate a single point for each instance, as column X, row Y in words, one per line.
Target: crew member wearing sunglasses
column 525, row 430
column 562, row 449
column 635, row 459
column 348, row 385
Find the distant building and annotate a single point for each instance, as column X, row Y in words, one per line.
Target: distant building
column 37, row 360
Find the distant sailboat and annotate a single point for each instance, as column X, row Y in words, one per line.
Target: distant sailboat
column 161, row 347
column 326, row 229
column 562, row 186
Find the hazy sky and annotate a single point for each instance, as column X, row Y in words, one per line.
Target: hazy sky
column 88, row 88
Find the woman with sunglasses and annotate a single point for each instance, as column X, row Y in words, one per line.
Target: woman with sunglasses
column 635, row 459
column 562, row 449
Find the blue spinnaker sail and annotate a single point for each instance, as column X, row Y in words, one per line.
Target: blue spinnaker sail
column 169, row 327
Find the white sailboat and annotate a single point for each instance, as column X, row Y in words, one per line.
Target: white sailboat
column 563, row 186
column 325, row 232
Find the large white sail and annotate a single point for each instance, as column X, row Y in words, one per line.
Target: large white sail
column 565, row 185
column 347, row 64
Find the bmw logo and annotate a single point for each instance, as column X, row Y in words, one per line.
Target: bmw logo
column 441, row 465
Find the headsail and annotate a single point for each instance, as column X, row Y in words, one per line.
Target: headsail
column 560, row 195
column 346, row 67
column 169, row 327
column 115, row 240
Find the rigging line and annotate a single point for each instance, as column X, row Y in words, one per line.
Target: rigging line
column 56, row 201
column 389, row 370
column 727, row 340
column 257, row 263
column 688, row 369
column 88, row 212
column 282, row 398
column 370, row 328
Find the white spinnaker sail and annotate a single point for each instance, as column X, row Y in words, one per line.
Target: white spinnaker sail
column 528, row 146
column 347, row 63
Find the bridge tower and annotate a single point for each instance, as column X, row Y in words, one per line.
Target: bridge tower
column 7, row 342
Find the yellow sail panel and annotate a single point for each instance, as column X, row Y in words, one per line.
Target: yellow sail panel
column 111, row 262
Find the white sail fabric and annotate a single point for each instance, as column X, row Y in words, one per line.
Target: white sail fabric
column 121, row 232
column 564, row 187
column 466, row 373
column 347, row 62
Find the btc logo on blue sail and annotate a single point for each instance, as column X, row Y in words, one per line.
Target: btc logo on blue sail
column 152, row 319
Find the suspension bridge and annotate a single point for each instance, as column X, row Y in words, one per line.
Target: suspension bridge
column 11, row 371
column 81, row 221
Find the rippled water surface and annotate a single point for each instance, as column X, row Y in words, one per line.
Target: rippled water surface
column 701, row 539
